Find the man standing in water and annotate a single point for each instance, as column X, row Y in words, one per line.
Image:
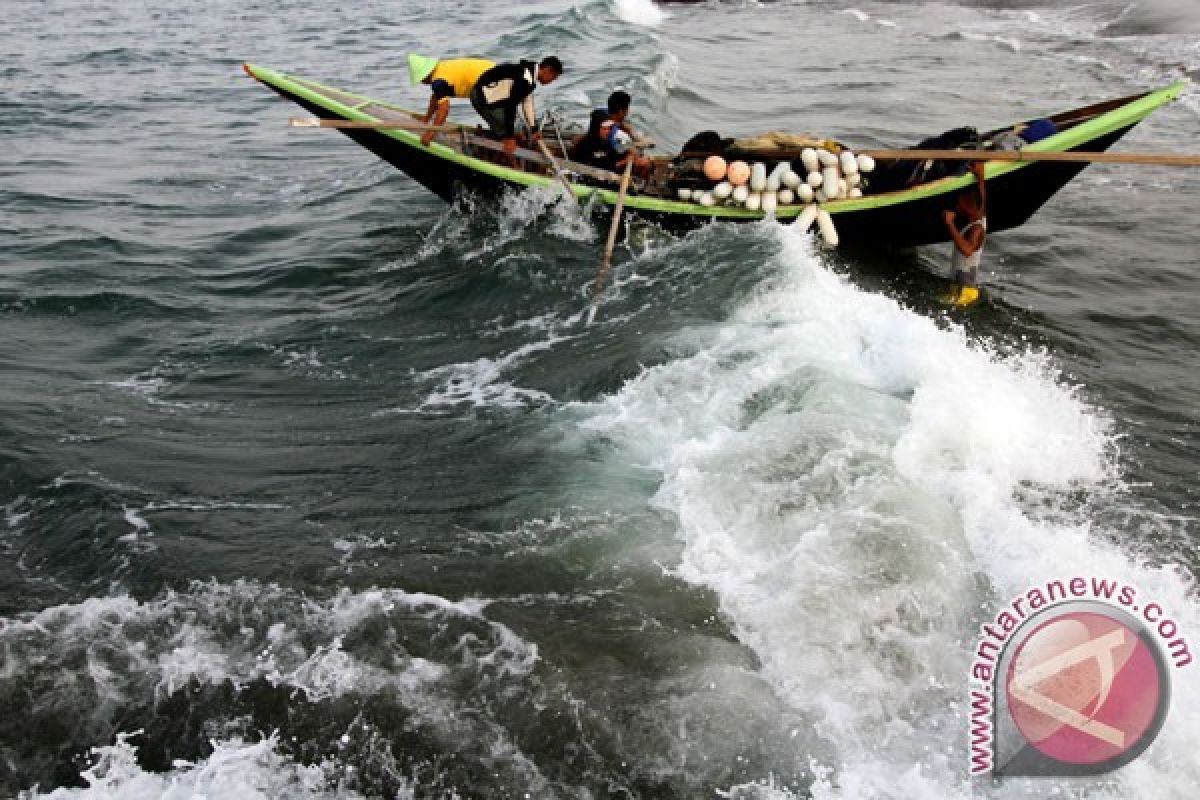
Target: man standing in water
column 505, row 87
column 967, row 224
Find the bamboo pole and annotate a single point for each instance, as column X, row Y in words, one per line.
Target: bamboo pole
column 1023, row 156
column 612, row 229
column 558, row 173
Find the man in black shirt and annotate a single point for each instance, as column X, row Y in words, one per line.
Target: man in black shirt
column 504, row 88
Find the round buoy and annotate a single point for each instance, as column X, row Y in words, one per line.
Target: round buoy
column 738, row 173
column 714, row 168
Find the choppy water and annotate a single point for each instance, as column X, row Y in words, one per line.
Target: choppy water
column 315, row 487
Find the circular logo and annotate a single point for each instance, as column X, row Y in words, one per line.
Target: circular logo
column 1088, row 687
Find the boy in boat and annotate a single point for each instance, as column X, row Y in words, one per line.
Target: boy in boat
column 504, row 88
column 447, row 78
column 609, row 141
column 967, row 225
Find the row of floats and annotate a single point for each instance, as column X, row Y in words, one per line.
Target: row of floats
column 823, row 176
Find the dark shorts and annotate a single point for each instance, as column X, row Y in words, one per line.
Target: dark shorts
column 442, row 89
column 500, row 119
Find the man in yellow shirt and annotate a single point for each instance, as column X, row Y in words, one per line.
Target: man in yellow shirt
column 452, row 77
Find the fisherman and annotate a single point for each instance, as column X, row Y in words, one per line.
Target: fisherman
column 609, row 141
column 446, row 78
column 502, row 89
column 967, row 225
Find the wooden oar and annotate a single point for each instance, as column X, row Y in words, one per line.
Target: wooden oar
column 1157, row 159
column 612, row 229
column 558, row 173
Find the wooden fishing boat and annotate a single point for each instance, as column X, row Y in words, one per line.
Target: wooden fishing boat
column 461, row 160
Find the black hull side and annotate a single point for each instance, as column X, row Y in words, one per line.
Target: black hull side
column 1012, row 198
column 444, row 178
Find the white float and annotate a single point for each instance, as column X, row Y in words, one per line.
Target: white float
column 849, row 163
column 808, row 157
column 806, row 218
column 828, row 232
column 758, row 177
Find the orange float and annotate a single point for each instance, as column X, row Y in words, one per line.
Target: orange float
column 714, row 168
column 738, row 173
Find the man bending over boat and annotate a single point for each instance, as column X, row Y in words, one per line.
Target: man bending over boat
column 609, row 141
column 447, row 78
column 967, row 224
column 504, row 88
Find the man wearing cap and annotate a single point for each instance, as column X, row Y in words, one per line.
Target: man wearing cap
column 505, row 87
column 452, row 77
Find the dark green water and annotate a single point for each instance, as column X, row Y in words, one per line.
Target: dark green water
column 326, row 489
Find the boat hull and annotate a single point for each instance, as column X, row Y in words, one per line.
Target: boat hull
column 905, row 218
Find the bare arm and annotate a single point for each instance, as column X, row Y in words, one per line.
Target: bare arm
column 978, row 167
column 529, row 112
column 439, row 117
column 968, row 244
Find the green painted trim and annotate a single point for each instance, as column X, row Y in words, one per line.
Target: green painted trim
column 1116, row 119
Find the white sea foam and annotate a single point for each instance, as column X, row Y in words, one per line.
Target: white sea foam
column 236, row 770
column 640, row 12
column 139, row 650
column 859, row 486
column 94, row 660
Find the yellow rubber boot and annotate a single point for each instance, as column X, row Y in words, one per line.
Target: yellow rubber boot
column 961, row 296
column 967, row 295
